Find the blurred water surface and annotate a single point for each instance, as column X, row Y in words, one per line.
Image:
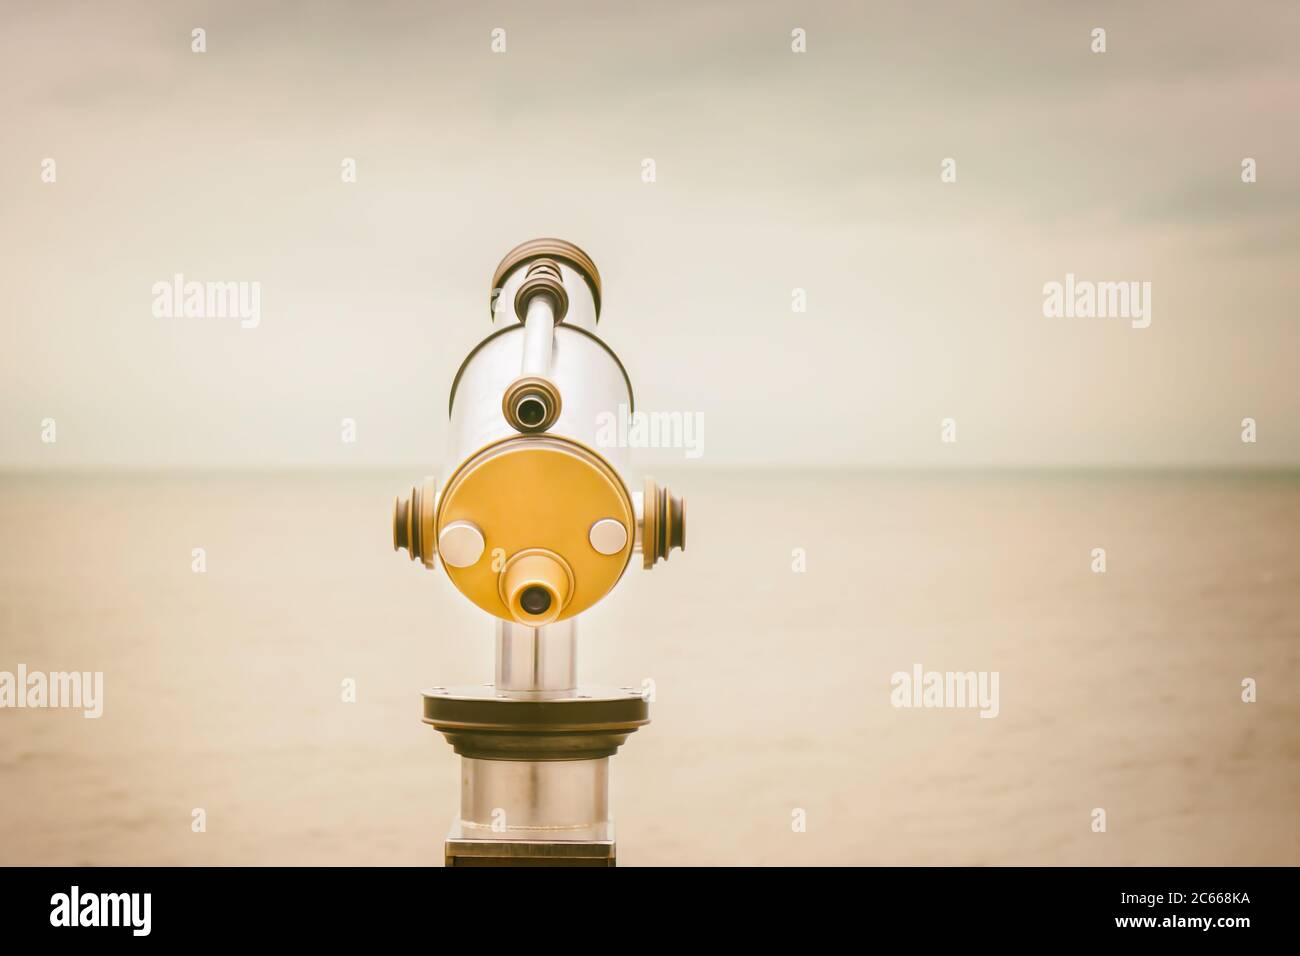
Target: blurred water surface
column 1119, row 690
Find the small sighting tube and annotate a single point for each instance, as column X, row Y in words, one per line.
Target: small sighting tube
column 539, row 337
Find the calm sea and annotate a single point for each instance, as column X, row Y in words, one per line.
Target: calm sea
column 1119, row 691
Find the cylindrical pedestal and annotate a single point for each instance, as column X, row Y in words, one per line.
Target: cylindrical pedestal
column 518, row 799
column 533, row 812
column 534, row 771
column 535, row 801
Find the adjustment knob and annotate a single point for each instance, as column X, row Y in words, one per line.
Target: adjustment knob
column 663, row 523
column 413, row 522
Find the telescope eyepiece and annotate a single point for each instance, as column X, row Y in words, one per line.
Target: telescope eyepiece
column 535, row 600
column 536, row 585
column 531, row 410
column 531, row 404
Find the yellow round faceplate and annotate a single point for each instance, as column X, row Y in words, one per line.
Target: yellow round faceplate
column 537, row 492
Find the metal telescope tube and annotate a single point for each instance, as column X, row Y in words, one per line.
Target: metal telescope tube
column 535, row 520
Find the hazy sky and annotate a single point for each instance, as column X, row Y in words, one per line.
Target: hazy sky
column 775, row 170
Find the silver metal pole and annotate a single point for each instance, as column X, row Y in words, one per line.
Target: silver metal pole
column 537, row 661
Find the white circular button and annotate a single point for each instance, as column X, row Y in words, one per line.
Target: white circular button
column 608, row 536
column 461, row 544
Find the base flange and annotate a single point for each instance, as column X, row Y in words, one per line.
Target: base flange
column 486, row 724
column 463, row 850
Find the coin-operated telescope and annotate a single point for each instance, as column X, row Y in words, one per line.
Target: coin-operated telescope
column 535, row 523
